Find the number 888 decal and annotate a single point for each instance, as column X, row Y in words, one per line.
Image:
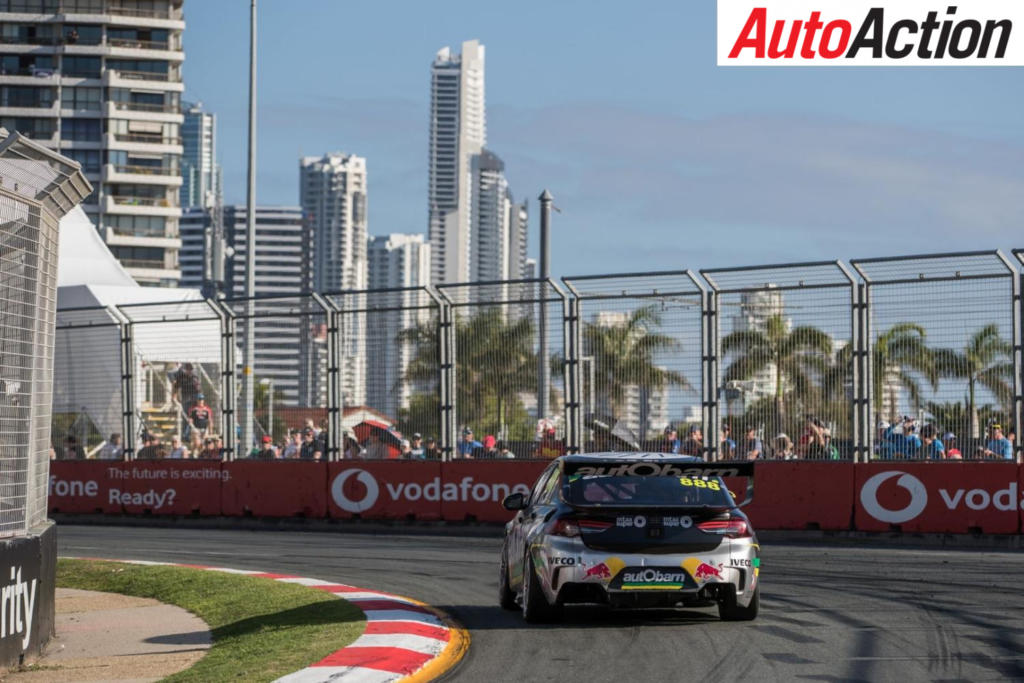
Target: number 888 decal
column 699, row 483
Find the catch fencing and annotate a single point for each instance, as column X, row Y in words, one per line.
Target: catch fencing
column 915, row 357
column 37, row 188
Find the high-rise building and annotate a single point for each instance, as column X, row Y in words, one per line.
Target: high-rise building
column 283, row 340
column 200, row 172
column 518, row 231
column 397, row 262
column 491, row 234
column 100, row 81
column 458, row 131
column 333, row 194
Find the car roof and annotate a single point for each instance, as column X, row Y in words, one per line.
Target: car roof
column 629, row 456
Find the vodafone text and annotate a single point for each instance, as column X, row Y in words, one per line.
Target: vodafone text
column 465, row 491
column 980, row 499
column 807, row 32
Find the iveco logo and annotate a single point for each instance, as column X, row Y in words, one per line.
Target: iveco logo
column 918, row 497
column 343, row 501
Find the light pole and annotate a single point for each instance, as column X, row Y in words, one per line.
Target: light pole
column 544, row 369
column 269, row 384
column 250, row 247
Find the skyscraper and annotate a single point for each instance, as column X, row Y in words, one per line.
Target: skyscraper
column 100, row 81
column 200, row 172
column 283, row 341
column 396, row 261
column 518, row 230
column 333, row 194
column 490, row 236
column 458, row 131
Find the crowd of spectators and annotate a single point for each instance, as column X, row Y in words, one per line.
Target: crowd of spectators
column 904, row 440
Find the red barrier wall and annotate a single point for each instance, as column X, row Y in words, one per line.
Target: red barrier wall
column 800, row 495
column 917, row 497
column 274, row 489
column 385, row 489
column 938, row 497
column 477, row 488
column 82, row 486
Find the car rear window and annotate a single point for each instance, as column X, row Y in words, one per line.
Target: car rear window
column 653, row 491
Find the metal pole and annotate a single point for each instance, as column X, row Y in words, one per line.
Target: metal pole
column 544, row 385
column 250, row 247
column 270, row 408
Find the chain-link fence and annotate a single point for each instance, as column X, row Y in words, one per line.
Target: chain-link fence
column 784, row 356
column 801, row 361
column 174, row 378
column 940, row 356
column 639, row 359
column 508, row 353
column 37, row 187
column 88, row 419
column 390, row 341
column 290, row 371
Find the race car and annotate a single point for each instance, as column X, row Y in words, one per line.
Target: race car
column 632, row 530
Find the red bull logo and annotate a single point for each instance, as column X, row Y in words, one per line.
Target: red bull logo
column 605, row 570
column 701, row 571
column 705, row 571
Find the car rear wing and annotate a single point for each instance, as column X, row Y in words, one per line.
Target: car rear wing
column 667, row 468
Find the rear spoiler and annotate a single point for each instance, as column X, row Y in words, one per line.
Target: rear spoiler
column 669, row 468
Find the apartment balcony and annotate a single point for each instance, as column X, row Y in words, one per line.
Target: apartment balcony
column 135, row 111
column 143, row 143
column 28, row 109
column 143, row 79
column 152, row 272
column 172, row 18
column 29, row 76
column 115, row 239
column 142, row 175
column 140, row 206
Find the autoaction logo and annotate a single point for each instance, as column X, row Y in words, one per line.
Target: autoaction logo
column 977, row 499
column 859, row 33
column 467, row 489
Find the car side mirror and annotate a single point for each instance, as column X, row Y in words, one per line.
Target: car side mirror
column 514, row 501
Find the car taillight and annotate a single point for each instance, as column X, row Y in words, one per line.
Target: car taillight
column 732, row 527
column 587, row 525
column 569, row 528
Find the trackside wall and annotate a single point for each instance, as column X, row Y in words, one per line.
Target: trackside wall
column 912, row 497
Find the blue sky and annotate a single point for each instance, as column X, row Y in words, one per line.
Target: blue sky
column 657, row 158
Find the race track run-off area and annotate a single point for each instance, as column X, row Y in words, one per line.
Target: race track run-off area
column 827, row 614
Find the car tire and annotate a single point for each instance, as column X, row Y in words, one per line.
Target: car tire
column 728, row 610
column 536, row 608
column 506, row 596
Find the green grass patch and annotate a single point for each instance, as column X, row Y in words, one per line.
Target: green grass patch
column 262, row 629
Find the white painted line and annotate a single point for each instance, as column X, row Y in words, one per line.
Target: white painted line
column 429, row 646
column 349, row 674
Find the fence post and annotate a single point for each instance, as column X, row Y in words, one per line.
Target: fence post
column 1017, row 419
column 127, row 382
column 867, row 373
column 574, row 384
column 335, row 399
column 446, row 365
column 709, row 377
column 227, row 375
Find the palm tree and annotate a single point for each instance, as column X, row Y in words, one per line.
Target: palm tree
column 900, row 357
column 494, row 363
column 986, row 361
column 624, row 354
column 795, row 357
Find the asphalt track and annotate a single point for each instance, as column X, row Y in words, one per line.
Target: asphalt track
column 827, row 614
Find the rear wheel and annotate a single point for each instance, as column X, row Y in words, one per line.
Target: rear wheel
column 536, row 608
column 728, row 610
column 506, row 597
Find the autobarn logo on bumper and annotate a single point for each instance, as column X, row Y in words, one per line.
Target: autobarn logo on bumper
column 652, row 578
column 859, row 33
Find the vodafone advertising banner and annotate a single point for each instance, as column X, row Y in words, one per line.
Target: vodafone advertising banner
column 939, row 497
column 180, row 487
column 918, row 497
